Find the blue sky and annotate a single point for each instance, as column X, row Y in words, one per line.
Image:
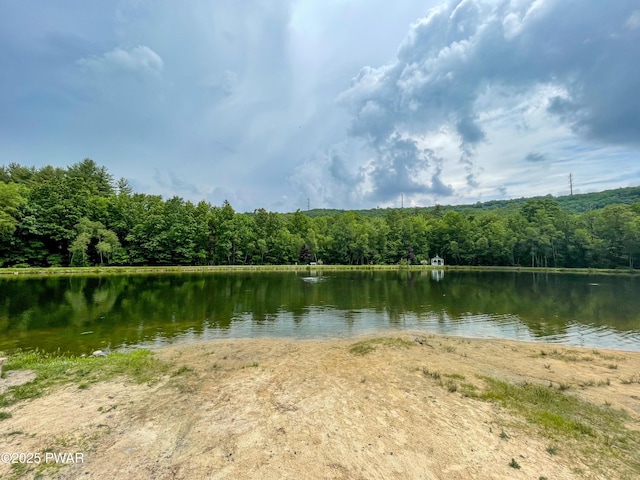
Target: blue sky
column 347, row 103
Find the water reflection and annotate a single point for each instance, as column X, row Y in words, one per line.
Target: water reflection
column 121, row 311
column 437, row 275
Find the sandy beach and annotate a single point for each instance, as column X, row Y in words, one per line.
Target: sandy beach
column 403, row 406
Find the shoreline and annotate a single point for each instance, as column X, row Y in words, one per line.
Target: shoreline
column 154, row 346
column 391, row 405
column 126, row 270
column 378, row 333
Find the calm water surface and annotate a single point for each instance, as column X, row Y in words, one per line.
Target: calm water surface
column 79, row 314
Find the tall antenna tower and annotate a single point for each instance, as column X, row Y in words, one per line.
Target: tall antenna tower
column 571, row 184
column 402, row 200
column 308, row 204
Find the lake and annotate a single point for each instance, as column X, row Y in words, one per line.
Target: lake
column 82, row 314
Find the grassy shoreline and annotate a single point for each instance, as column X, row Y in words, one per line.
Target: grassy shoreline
column 99, row 271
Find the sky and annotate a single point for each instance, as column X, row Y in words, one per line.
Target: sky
column 349, row 104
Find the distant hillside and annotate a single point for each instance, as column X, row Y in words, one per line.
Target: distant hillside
column 578, row 203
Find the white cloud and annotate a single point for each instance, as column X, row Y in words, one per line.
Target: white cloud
column 633, row 22
column 138, row 59
column 225, row 83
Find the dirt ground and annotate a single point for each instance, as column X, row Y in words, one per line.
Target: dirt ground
column 284, row 409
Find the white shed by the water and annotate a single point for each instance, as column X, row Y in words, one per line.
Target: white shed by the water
column 437, row 261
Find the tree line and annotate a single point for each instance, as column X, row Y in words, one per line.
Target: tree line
column 80, row 216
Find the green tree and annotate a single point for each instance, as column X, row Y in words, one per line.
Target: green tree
column 79, row 250
column 88, row 176
column 93, row 243
column 221, row 233
column 10, row 200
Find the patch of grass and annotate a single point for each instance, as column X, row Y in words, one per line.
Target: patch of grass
column 632, row 379
column 612, row 366
column 18, row 470
column 433, row 374
column 469, row 389
column 451, row 385
column 62, row 442
column 613, row 357
column 107, row 409
column 367, row 346
column 592, row 383
column 543, row 406
column 455, row 376
column 185, row 386
column 598, row 431
column 449, row 349
column 562, row 386
column 566, row 356
column 4, row 415
column 186, row 380
column 362, row 348
column 53, row 369
column 551, row 450
column 448, row 381
column 181, row 370
column 514, row 464
column 503, row 435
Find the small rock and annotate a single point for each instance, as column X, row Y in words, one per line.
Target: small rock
column 99, row 353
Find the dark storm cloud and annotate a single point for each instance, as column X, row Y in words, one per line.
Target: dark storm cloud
column 341, row 174
column 400, row 166
column 471, row 180
column 469, row 131
column 463, row 52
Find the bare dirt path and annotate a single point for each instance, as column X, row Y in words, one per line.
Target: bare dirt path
column 281, row 409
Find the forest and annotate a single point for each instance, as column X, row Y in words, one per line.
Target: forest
column 81, row 216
